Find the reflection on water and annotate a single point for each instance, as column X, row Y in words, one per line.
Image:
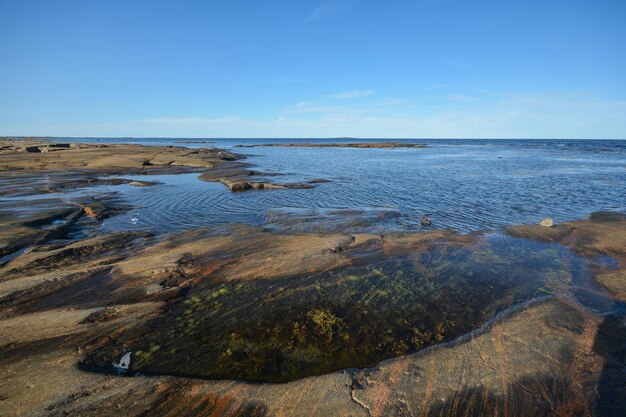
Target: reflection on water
column 379, row 307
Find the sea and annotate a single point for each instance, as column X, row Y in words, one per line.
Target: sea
column 465, row 185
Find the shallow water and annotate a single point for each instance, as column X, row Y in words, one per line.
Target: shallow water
column 461, row 184
column 379, row 307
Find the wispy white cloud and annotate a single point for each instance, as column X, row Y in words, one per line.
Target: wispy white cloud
column 351, row 94
column 304, row 107
column 463, row 98
column 391, row 101
column 326, row 9
column 512, row 115
column 433, row 87
column 480, row 90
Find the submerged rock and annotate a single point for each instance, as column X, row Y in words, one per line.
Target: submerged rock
column 284, row 307
column 607, row 216
column 545, row 355
column 137, row 183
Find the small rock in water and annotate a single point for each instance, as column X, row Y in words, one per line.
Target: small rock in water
column 136, row 183
column 547, row 222
column 425, row 221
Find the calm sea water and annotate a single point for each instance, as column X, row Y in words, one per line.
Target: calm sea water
column 465, row 185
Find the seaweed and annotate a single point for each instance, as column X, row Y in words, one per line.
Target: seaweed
column 354, row 316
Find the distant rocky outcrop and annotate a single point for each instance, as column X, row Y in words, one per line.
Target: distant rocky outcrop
column 380, row 145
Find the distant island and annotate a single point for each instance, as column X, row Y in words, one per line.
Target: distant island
column 340, row 145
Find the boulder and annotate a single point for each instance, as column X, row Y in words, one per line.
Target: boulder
column 547, row 222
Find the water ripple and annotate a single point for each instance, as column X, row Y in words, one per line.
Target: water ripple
column 460, row 185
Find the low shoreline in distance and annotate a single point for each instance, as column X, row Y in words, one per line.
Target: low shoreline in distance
column 340, row 145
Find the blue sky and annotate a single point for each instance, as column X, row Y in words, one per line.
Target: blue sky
column 417, row 69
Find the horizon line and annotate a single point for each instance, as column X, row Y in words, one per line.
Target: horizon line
column 294, row 138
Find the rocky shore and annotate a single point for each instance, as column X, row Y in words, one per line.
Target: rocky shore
column 235, row 320
column 74, row 164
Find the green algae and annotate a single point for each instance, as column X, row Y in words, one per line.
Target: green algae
column 350, row 317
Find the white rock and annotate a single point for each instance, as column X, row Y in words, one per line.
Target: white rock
column 547, row 222
column 124, row 363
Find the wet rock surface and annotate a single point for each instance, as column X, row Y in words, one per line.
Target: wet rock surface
column 239, row 177
column 598, row 237
column 379, row 299
column 529, row 322
column 36, row 221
